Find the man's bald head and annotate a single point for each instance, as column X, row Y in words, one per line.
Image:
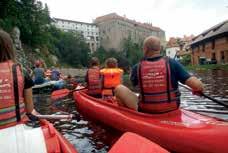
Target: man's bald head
column 151, row 44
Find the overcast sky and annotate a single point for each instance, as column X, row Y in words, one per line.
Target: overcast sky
column 176, row 17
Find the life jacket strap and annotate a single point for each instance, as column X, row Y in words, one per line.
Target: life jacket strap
column 16, row 92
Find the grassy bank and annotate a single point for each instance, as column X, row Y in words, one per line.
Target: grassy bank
column 208, row 67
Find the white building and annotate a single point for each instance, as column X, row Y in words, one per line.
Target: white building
column 89, row 30
column 172, row 51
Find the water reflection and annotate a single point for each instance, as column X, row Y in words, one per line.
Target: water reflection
column 85, row 135
column 88, row 136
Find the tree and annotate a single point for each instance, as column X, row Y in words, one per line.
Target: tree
column 72, row 49
column 132, row 51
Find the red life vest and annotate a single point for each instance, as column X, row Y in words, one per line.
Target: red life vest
column 157, row 93
column 94, row 81
column 10, row 113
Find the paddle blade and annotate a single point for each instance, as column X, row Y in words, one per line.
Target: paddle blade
column 59, row 94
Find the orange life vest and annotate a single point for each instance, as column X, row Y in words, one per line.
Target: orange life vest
column 11, row 91
column 111, row 78
column 157, row 93
column 94, row 81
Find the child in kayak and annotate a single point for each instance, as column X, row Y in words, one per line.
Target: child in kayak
column 93, row 78
column 111, row 76
column 157, row 78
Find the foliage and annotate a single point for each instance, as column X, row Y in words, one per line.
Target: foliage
column 208, row 67
column 186, row 60
column 34, row 22
column 29, row 16
column 129, row 55
column 132, row 51
column 73, row 49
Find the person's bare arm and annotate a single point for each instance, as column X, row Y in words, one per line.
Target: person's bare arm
column 28, row 100
column 194, row 83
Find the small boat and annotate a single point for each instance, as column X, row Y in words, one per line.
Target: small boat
column 26, row 139
column 48, row 87
column 133, row 143
column 178, row 131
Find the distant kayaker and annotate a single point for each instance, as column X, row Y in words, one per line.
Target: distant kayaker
column 15, row 86
column 111, row 76
column 55, row 74
column 93, row 78
column 39, row 76
column 157, row 78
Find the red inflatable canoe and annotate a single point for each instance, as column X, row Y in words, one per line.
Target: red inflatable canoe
column 25, row 139
column 133, row 143
column 179, row 131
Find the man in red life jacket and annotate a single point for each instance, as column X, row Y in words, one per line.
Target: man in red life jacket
column 157, row 78
column 15, row 88
column 93, row 78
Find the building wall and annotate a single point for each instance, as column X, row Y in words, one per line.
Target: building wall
column 114, row 31
column 217, row 49
column 171, row 52
column 89, row 31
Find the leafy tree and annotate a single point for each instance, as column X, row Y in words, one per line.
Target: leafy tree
column 29, row 15
column 132, row 51
column 186, row 60
column 72, row 49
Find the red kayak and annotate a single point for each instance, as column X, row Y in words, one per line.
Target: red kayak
column 179, row 131
column 133, row 143
column 25, row 139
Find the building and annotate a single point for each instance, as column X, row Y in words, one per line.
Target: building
column 211, row 46
column 89, row 31
column 172, row 47
column 178, row 47
column 114, row 29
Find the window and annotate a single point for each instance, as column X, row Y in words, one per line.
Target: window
column 213, row 44
column 222, row 56
column 203, row 48
column 213, row 56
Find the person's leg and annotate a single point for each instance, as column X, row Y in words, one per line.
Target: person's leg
column 126, row 97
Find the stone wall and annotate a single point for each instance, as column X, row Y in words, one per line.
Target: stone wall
column 73, row 72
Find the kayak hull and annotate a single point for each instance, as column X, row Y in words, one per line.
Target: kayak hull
column 42, row 139
column 54, row 140
column 180, row 131
column 133, row 143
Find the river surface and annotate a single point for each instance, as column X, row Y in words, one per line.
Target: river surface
column 89, row 136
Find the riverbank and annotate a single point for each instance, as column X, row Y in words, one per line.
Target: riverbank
column 208, row 67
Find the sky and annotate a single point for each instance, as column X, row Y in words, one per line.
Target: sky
column 176, row 17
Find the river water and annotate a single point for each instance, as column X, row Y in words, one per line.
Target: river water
column 89, row 136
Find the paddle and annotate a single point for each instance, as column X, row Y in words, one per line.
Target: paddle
column 206, row 96
column 63, row 92
column 55, row 117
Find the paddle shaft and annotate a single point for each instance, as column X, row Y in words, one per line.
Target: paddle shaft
column 62, row 93
column 206, row 96
column 55, row 117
